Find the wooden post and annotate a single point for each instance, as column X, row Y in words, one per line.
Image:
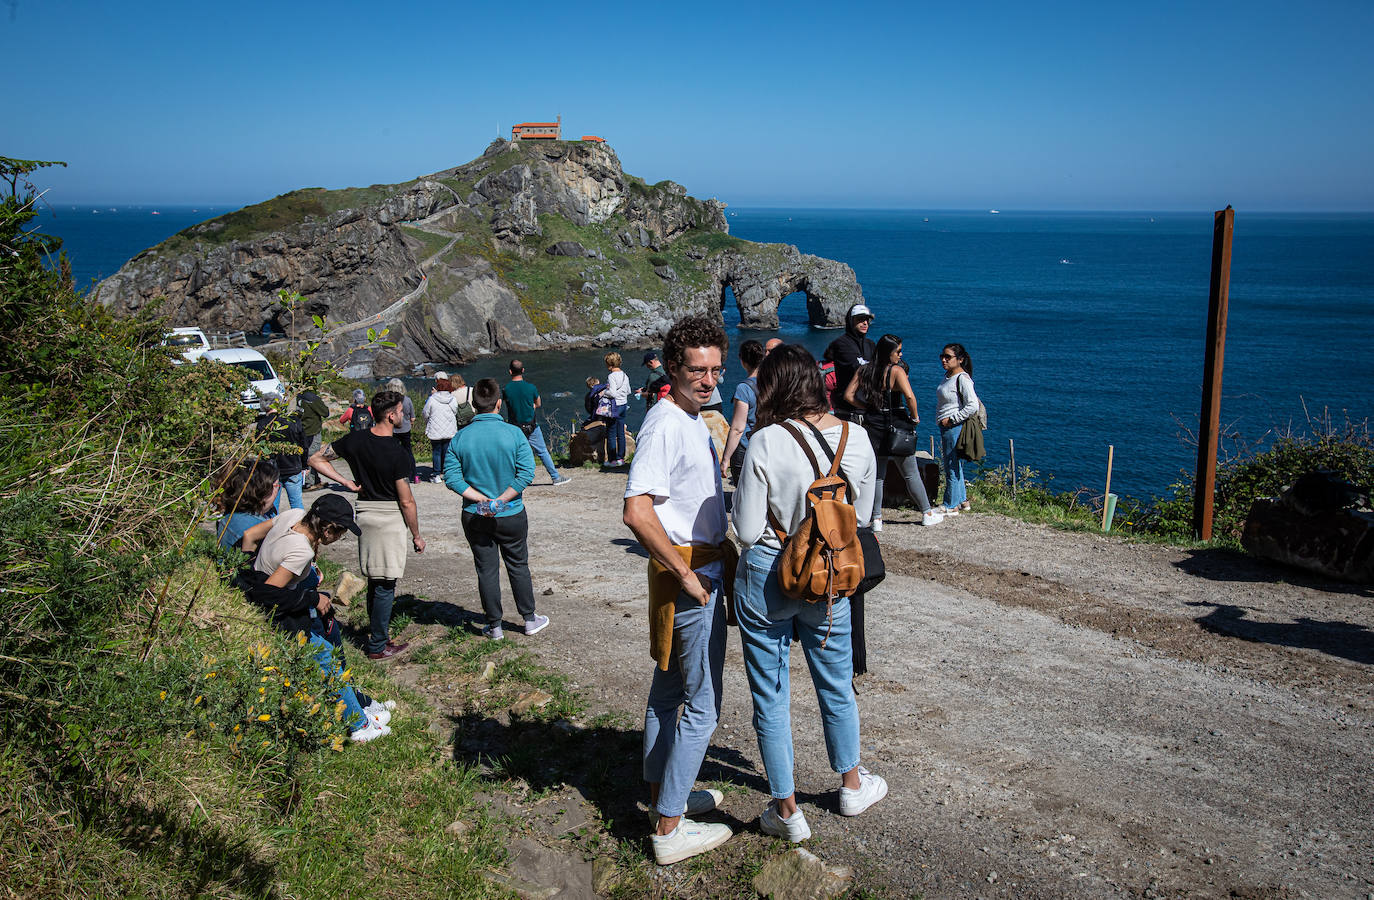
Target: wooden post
column 1108, row 490
column 1012, row 445
column 1209, row 424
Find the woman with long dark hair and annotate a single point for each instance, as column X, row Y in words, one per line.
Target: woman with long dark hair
column 955, row 403
column 771, row 498
column 886, row 388
column 245, row 495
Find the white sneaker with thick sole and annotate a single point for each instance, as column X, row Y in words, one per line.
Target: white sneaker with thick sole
column 379, row 712
column 793, row 828
column 872, row 788
column 877, row 525
column 369, row 732
column 687, row 840
column 949, row 512
column 932, row 518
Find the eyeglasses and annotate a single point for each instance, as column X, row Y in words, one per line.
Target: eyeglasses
column 948, row 356
column 696, row 373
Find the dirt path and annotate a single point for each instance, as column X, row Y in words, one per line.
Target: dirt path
column 1058, row 715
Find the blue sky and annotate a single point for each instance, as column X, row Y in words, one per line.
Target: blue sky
column 1012, row 105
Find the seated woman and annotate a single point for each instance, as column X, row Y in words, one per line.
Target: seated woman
column 246, row 495
column 280, row 580
column 772, row 489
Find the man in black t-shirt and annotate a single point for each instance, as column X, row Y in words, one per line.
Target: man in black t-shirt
column 386, row 510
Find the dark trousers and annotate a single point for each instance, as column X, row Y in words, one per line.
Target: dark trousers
column 501, row 538
column 381, row 595
column 857, row 641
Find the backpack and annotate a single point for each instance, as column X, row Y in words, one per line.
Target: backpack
column 361, row 419
column 464, row 412
column 822, row 559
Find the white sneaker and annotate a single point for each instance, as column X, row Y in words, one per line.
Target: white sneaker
column 872, row 788
column 493, row 632
column 437, row 479
column 379, row 713
column 934, row 517
column 793, row 828
column 949, row 512
column 369, row 732
column 877, row 525
column 687, row 840
column 537, row 624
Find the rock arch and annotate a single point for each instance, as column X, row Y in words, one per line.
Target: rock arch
column 760, row 280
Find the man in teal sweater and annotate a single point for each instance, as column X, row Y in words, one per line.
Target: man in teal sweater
column 490, row 464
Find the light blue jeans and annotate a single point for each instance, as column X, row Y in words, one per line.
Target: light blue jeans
column 953, row 465
column 353, row 717
column 674, row 746
column 291, row 496
column 541, row 450
column 766, row 620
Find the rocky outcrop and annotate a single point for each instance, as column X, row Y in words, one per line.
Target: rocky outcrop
column 1320, row 523
column 529, row 246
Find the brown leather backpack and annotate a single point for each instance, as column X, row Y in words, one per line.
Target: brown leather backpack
column 822, row 559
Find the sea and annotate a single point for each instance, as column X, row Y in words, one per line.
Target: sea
column 1086, row 330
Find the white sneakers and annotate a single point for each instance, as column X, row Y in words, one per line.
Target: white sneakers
column 536, row 624
column 877, row 524
column 698, row 803
column 369, row 732
column 687, row 840
column 793, row 828
column 380, row 711
column 871, row 789
column 934, row 517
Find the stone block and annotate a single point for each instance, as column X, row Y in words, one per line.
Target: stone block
column 350, row 586
column 801, row 875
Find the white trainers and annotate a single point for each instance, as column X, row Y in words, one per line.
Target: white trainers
column 877, row 525
column 872, row 788
column 934, row 517
column 369, row 732
column 493, row 632
column 698, row 803
column 537, row 624
column 379, row 712
column 793, row 828
column 687, row 840
column 949, row 512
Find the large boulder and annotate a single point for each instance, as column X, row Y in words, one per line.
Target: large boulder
column 1320, row 523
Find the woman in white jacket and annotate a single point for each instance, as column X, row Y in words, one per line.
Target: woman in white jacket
column 441, row 423
column 772, row 485
column 618, row 389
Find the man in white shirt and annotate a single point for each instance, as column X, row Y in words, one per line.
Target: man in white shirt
column 675, row 506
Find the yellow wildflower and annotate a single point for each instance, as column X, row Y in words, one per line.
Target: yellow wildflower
column 209, row 674
column 346, row 673
column 300, row 638
column 236, row 728
column 198, row 699
column 269, row 668
column 286, row 683
column 336, row 744
column 162, row 696
column 265, row 717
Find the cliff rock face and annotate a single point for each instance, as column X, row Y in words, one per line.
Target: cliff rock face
column 532, row 245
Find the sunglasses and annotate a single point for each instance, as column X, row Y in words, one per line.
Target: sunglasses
column 948, row 356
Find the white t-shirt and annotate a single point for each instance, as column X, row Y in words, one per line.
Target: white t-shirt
column 285, row 547
column 777, row 473
column 675, row 462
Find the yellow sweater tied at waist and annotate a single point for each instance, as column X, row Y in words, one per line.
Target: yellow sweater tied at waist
column 664, row 588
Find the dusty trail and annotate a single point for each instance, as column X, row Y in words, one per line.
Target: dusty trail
column 1058, row 715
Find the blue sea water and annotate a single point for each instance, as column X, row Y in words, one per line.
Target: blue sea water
column 1086, row 329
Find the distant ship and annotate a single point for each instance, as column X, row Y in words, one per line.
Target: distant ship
column 994, row 211
column 156, row 213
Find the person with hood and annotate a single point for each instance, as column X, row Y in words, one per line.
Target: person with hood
column 848, row 352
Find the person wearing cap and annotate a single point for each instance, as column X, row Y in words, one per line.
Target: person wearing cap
column 655, row 384
column 386, row 511
column 848, row 352
column 272, row 427
column 283, row 581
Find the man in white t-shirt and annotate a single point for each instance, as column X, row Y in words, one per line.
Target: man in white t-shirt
column 676, row 508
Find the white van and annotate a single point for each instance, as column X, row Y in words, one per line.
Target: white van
column 261, row 376
column 192, row 343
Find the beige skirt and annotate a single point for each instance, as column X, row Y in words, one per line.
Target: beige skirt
column 385, row 540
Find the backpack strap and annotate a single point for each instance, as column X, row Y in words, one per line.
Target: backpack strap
column 806, row 448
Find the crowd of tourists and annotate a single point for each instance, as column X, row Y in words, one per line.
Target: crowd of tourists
column 808, row 448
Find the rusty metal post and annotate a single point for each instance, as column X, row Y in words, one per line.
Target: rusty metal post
column 1209, row 425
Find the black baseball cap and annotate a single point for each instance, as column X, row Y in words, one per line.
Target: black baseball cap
column 650, row 357
column 336, row 510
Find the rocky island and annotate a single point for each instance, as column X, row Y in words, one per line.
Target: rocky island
column 533, row 245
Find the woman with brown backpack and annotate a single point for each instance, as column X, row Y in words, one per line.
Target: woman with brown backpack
column 802, row 466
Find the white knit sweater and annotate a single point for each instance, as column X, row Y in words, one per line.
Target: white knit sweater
column 777, row 473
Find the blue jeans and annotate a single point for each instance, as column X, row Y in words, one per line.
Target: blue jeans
column 542, row 451
column 766, row 621
column 290, row 496
column 353, row 717
column 674, row 746
column 381, row 594
column 953, row 465
column 615, row 438
column 438, row 450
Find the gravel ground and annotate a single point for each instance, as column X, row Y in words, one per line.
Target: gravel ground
column 1058, row 714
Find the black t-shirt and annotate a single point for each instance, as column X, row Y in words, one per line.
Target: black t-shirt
column 283, row 430
column 377, row 463
column 848, row 352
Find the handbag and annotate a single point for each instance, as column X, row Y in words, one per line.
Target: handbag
column 898, row 435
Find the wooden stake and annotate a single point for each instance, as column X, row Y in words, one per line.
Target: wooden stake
column 1209, row 425
column 1012, row 444
column 1110, row 450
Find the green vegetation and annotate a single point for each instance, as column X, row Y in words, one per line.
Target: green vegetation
column 430, row 243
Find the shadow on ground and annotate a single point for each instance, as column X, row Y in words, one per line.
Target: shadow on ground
column 1216, row 564
column 1346, row 640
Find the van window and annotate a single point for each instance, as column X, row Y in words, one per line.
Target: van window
column 259, row 367
column 182, row 340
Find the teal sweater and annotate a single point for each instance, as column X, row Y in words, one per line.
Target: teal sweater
column 490, row 455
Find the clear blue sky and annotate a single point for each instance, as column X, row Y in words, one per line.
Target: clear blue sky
column 1014, row 105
